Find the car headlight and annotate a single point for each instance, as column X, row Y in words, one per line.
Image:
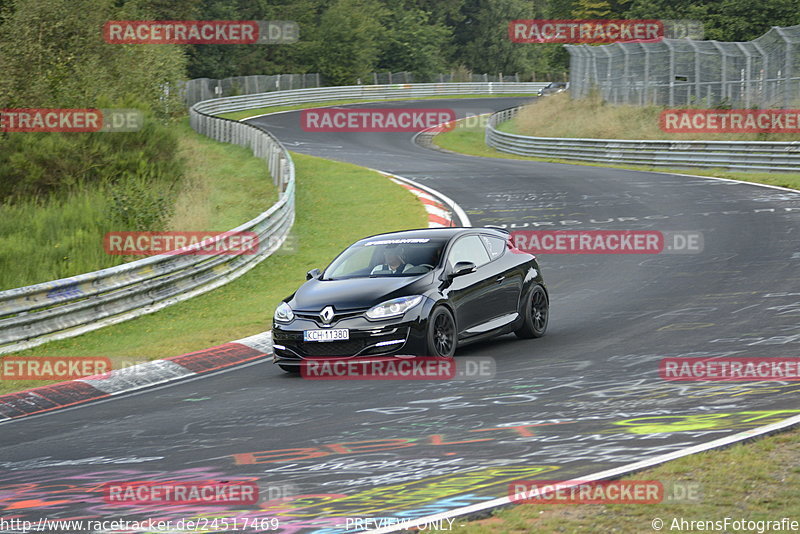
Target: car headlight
column 393, row 308
column 284, row 314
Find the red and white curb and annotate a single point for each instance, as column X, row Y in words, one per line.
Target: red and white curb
column 438, row 216
column 442, row 210
column 52, row 397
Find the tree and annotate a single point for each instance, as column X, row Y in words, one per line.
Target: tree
column 591, row 9
column 53, row 55
column 482, row 40
column 723, row 20
column 412, row 43
column 350, row 40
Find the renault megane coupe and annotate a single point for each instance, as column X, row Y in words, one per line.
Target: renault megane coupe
column 417, row 292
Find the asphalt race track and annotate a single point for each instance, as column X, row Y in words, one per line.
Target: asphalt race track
column 584, row 398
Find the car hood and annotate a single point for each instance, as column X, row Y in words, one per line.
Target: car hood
column 355, row 293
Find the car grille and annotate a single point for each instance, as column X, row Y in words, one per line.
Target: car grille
column 337, row 316
column 333, row 348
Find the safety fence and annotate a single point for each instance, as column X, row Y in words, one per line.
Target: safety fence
column 200, row 89
column 365, row 92
column 63, row 308
column 734, row 155
column 764, row 72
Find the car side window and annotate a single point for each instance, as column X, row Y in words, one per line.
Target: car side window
column 495, row 245
column 468, row 248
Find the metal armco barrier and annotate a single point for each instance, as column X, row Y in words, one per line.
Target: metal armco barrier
column 33, row 315
column 365, row 92
column 733, row 155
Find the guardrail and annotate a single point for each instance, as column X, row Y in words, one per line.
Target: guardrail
column 733, row 155
column 71, row 306
column 364, row 92
column 35, row 314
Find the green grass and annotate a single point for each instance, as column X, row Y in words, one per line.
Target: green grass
column 562, row 116
column 470, row 141
column 225, row 184
column 337, row 204
column 61, row 236
column 756, row 481
column 53, row 238
column 752, row 481
column 246, row 114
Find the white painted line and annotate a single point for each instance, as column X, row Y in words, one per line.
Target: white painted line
column 607, row 474
column 731, row 180
column 447, row 201
column 261, row 342
column 143, row 375
column 433, row 210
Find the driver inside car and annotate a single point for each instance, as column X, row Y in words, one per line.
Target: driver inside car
column 394, row 262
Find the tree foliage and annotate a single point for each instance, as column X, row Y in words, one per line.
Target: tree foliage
column 52, row 55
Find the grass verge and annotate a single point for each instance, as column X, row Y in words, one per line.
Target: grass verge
column 470, row 140
column 561, row 116
column 61, row 236
column 336, row 203
column 755, row 481
column 246, row 114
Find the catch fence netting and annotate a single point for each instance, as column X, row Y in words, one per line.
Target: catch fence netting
column 762, row 73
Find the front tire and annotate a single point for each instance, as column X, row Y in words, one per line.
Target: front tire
column 536, row 313
column 291, row 369
column 441, row 334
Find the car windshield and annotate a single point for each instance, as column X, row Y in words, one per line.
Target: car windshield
column 387, row 257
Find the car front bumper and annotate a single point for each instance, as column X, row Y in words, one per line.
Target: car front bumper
column 404, row 335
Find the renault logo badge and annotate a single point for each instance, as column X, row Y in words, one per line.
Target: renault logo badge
column 326, row 314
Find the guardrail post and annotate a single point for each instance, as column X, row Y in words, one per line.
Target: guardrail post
column 34, row 314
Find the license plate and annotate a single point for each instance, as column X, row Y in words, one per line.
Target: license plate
column 335, row 334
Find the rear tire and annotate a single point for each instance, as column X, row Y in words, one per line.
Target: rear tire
column 441, row 333
column 536, row 313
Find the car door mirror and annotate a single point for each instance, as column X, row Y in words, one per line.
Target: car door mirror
column 313, row 273
column 463, row 267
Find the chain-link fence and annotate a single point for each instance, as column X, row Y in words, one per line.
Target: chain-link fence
column 200, row 89
column 762, row 73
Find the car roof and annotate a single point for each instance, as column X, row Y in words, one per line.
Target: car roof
column 437, row 233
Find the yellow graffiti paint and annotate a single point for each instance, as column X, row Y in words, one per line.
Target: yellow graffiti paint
column 416, row 493
column 684, row 423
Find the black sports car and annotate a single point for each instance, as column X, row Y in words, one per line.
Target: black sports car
column 420, row 292
column 553, row 88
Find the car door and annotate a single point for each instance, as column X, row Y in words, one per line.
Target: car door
column 470, row 293
column 508, row 277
